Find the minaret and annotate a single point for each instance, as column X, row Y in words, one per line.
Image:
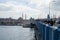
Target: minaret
column 22, row 15
column 25, row 16
column 38, row 16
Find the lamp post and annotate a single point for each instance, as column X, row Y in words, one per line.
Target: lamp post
column 50, row 7
column 54, row 16
column 48, row 17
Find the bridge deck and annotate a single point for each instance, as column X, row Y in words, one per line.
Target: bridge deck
column 47, row 32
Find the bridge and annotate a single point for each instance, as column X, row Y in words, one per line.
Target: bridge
column 46, row 32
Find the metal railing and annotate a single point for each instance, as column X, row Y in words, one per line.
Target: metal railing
column 48, row 32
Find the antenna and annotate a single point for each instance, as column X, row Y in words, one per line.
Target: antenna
column 49, row 8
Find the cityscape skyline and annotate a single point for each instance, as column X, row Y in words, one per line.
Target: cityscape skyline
column 32, row 8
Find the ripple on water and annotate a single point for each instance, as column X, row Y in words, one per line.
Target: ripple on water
column 16, row 33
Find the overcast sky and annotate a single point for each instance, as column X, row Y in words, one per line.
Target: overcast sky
column 32, row 8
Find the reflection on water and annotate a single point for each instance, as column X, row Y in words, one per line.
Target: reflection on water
column 16, row 33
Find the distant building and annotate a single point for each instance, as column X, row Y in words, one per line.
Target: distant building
column 32, row 20
column 10, row 21
column 20, row 20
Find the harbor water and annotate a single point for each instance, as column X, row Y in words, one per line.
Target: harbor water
column 16, row 33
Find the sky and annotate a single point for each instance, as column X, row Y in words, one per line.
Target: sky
column 30, row 8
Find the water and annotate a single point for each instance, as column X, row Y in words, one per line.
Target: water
column 16, row 33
